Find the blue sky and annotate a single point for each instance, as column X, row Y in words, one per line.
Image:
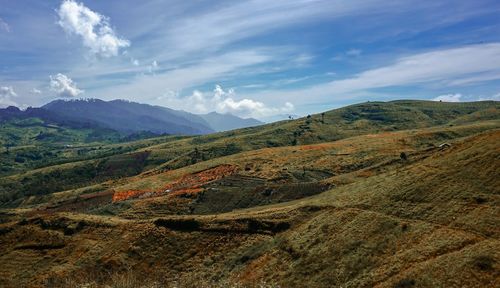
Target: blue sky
column 256, row 58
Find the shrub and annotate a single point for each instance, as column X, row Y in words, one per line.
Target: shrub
column 178, row 224
column 484, row 263
column 403, row 156
column 19, row 159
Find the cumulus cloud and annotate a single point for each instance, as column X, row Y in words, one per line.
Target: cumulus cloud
column 7, row 91
column 224, row 101
column 6, row 95
column 64, row 86
column 94, row 28
column 449, row 97
column 251, row 108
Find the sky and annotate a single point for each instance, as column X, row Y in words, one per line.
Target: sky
column 252, row 58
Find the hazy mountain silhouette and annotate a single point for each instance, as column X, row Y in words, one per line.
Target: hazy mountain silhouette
column 225, row 122
column 129, row 117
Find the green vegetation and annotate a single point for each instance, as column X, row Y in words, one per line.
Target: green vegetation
column 30, row 143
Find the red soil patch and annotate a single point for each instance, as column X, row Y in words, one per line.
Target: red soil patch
column 124, row 195
column 187, row 184
column 201, row 178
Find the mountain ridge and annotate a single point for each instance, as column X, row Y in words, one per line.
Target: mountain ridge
column 129, row 117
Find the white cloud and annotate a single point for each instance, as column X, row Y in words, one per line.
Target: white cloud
column 495, row 97
column 145, row 87
column 224, row 101
column 92, row 27
column 152, row 68
column 302, row 59
column 6, row 95
column 36, row 91
column 7, row 91
column 64, row 86
column 253, row 86
column 4, row 26
column 435, row 68
column 251, row 108
column 215, row 28
column 448, row 98
column 353, row 52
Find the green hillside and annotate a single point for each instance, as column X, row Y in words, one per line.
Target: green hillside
column 32, row 143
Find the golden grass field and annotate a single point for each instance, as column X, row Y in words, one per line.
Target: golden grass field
column 346, row 210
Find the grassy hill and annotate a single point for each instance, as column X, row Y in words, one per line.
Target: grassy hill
column 365, row 118
column 362, row 196
column 360, row 119
column 31, row 142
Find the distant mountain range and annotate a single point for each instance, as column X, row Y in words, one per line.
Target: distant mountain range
column 226, row 122
column 129, row 117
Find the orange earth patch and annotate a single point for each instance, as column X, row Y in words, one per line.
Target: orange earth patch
column 187, row 184
column 124, row 195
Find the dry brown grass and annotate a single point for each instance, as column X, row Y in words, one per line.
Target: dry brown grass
column 430, row 222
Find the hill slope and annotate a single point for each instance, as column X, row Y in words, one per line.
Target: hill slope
column 396, row 194
column 129, row 117
column 360, row 119
column 428, row 222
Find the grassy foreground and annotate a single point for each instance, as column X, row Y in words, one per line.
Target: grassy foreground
column 381, row 205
